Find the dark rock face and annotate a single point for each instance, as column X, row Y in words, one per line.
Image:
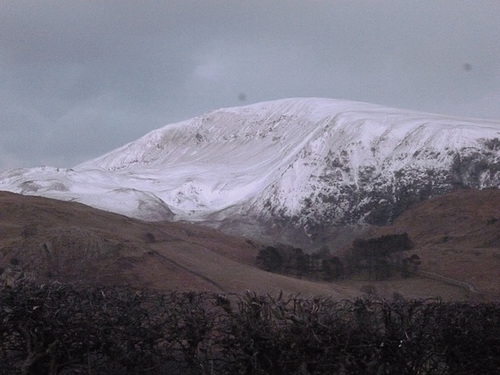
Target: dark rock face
column 380, row 195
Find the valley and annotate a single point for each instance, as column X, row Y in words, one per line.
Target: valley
column 69, row 242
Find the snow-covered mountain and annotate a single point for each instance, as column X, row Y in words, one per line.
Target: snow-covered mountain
column 302, row 163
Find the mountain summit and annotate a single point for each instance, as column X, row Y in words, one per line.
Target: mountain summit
column 306, row 164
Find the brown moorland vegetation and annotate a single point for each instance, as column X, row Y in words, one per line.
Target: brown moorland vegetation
column 456, row 236
column 47, row 240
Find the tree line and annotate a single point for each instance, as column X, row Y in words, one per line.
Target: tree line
column 68, row 329
column 375, row 258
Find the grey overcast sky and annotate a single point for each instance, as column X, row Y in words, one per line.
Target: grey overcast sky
column 79, row 78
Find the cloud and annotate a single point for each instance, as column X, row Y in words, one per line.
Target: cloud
column 80, row 78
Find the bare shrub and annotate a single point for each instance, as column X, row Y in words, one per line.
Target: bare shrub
column 67, row 329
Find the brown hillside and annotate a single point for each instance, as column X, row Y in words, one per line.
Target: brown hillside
column 457, row 235
column 67, row 241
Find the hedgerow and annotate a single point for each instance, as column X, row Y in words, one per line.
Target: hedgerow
column 82, row 329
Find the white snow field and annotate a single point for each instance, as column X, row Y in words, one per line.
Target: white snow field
column 305, row 160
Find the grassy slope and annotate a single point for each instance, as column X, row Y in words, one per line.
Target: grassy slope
column 457, row 236
column 86, row 244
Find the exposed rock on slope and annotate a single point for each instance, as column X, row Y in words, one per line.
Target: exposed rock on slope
column 307, row 164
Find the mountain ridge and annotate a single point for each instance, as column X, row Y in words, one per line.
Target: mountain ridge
column 304, row 163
